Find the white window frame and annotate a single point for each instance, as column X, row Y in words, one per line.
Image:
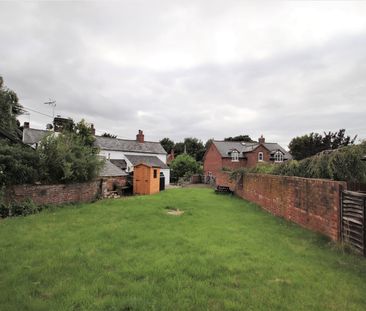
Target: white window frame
column 278, row 157
column 260, row 157
column 234, row 156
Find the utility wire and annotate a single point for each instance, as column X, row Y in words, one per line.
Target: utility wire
column 47, row 115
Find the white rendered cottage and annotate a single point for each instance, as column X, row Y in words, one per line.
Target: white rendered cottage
column 126, row 153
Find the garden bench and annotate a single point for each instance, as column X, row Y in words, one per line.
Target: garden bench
column 223, row 189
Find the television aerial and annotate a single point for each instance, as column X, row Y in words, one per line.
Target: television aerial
column 52, row 103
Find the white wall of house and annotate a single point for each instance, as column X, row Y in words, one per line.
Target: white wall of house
column 166, row 173
column 119, row 155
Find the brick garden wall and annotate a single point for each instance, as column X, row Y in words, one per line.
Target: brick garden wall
column 311, row 203
column 110, row 183
column 54, row 194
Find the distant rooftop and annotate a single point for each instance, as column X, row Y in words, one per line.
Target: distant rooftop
column 118, row 144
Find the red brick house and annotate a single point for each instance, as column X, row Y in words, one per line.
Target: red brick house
column 234, row 154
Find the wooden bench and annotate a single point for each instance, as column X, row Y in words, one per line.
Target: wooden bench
column 223, row 189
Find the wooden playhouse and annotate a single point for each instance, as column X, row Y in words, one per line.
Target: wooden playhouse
column 146, row 179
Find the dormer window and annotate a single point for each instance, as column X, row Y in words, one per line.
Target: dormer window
column 278, row 157
column 234, row 156
column 260, row 156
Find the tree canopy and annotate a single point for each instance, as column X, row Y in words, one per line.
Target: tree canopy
column 245, row 138
column 167, row 144
column 10, row 109
column 310, row 144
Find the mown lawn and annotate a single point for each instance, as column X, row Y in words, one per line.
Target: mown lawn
column 128, row 254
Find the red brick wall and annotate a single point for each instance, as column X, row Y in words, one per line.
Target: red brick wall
column 54, row 194
column 227, row 163
column 223, row 179
column 110, row 182
column 212, row 161
column 312, row 203
column 253, row 156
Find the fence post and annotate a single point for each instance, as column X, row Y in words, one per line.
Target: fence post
column 364, row 230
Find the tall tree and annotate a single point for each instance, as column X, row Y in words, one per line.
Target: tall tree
column 167, row 144
column 305, row 146
column 245, row 138
column 194, row 148
column 10, row 109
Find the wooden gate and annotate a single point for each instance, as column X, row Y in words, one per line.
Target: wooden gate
column 353, row 220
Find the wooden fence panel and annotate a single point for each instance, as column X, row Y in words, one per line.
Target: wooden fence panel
column 353, row 220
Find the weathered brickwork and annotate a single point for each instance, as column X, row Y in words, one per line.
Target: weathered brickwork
column 110, row 183
column 311, row 203
column 54, row 194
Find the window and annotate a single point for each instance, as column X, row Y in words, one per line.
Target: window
column 155, row 173
column 260, row 156
column 234, row 156
column 278, row 156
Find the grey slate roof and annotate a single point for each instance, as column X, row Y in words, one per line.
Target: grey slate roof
column 33, row 136
column 226, row 147
column 110, row 170
column 119, row 163
column 107, row 143
column 148, row 160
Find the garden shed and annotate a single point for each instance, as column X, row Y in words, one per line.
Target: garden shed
column 146, row 179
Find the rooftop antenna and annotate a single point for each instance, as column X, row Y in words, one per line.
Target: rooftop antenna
column 51, row 103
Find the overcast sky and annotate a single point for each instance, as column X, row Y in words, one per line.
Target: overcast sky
column 208, row 69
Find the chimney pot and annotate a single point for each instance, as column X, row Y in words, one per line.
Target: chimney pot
column 140, row 136
column 261, row 139
column 26, row 125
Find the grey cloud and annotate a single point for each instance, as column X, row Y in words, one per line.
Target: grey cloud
column 53, row 51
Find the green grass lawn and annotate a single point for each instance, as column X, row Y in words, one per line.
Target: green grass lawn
column 128, row 254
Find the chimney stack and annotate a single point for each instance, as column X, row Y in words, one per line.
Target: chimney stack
column 26, row 125
column 261, row 139
column 140, row 136
column 92, row 129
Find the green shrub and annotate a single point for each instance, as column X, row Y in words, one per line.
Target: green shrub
column 23, row 208
column 343, row 164
column 19, row 164
column 68, row 158
column 184, row 166
column 263, row 168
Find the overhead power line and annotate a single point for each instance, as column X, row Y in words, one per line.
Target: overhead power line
column 44, row 114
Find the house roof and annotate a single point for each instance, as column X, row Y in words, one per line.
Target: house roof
column 147, row 160
column 108, row 143
column 226, row 147
column 111, row 170
column 33, row 136
column 119, row 163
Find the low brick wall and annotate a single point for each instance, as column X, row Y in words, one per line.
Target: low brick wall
column 312, row 203
column 54, row 194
